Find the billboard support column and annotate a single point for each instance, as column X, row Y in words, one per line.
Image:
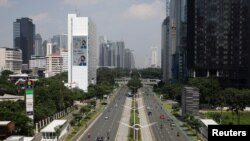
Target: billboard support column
column 29, row 99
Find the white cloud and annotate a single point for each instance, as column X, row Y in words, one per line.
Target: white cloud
column 41, row 18
column 4, row 3
column 82, row 2
column 144, row 11
column 45, row 23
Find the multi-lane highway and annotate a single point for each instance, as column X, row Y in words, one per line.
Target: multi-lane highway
column 106, row 126
column 163, row 130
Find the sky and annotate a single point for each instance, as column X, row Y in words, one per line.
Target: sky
column 136, row 22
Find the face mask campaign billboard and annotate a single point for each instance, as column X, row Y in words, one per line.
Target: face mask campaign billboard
column 80, row 51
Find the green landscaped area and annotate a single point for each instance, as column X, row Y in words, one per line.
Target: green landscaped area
column 82, row 124
column 167, row 105
column 137, row 121
column 228, row 118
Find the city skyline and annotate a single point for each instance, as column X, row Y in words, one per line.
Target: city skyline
column 117, row 19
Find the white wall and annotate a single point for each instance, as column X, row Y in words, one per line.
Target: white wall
column 77, row 26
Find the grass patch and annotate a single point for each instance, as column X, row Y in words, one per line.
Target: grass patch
column 191, row 134
column 82, row 124
column 131, row 121
column 228, row 117
column 167, row 106
column 187, row 129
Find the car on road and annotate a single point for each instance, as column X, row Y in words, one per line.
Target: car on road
column 172, row 124
column 99, row 139
column 106, row 118
column 148, row 108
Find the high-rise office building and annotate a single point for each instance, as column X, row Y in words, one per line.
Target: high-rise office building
column 165, row 55
column 112, row 54
column 120, row 54
column 49, row 48
column 218, row 44
column 44, row 46
column 60, row 43
column 178, row 40
column 24, row 33
column 103, row 55
column 154, row 55
column 103, row 51
column 132, row 60
column 129, row 62
column 38, row 50
column 64, row 54
column 82, row 49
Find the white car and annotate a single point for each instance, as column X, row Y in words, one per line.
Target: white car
column 106, row 118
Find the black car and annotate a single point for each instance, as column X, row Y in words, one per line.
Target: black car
column 99, row 139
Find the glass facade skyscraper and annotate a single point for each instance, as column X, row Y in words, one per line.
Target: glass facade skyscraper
column 38, row 50
column 23, row 37
column 218, row 44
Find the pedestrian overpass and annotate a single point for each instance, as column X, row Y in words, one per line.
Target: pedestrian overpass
column 145, row 81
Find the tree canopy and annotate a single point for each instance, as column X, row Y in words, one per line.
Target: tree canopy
column 209, row 89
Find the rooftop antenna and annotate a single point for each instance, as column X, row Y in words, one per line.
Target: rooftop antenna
column 77, row 12
column 167, row 7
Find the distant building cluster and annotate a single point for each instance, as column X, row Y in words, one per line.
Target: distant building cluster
column 31, row 53
column 115, row 55
column 207, row 38
column 75, row 52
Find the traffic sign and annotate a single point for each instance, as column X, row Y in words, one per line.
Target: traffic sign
column 162, row 117
column 28, row 84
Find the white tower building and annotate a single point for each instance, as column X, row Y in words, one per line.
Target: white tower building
column 82, row 55
column 154, row 57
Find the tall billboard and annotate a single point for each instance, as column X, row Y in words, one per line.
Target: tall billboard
column 80, row 57
column 29, row 99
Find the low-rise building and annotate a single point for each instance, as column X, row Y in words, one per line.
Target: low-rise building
column 6, row 129
column 190, row 101
column 37, row 62
column 8, row 97
column 10, row 59
column 19, row 138
column 49, row 132
column 204, row 126
column 54, row 63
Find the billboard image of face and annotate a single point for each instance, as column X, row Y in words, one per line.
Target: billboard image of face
column 80, row 51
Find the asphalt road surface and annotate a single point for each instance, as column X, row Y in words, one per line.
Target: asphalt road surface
column 162, row 131
column 105, row 128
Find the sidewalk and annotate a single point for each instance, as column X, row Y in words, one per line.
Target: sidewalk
column 146, row 134
column 122, row 133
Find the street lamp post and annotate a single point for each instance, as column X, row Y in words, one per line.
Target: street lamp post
column 136, row 127
column 137, row 134
column 134, row 108
column 134, row 116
